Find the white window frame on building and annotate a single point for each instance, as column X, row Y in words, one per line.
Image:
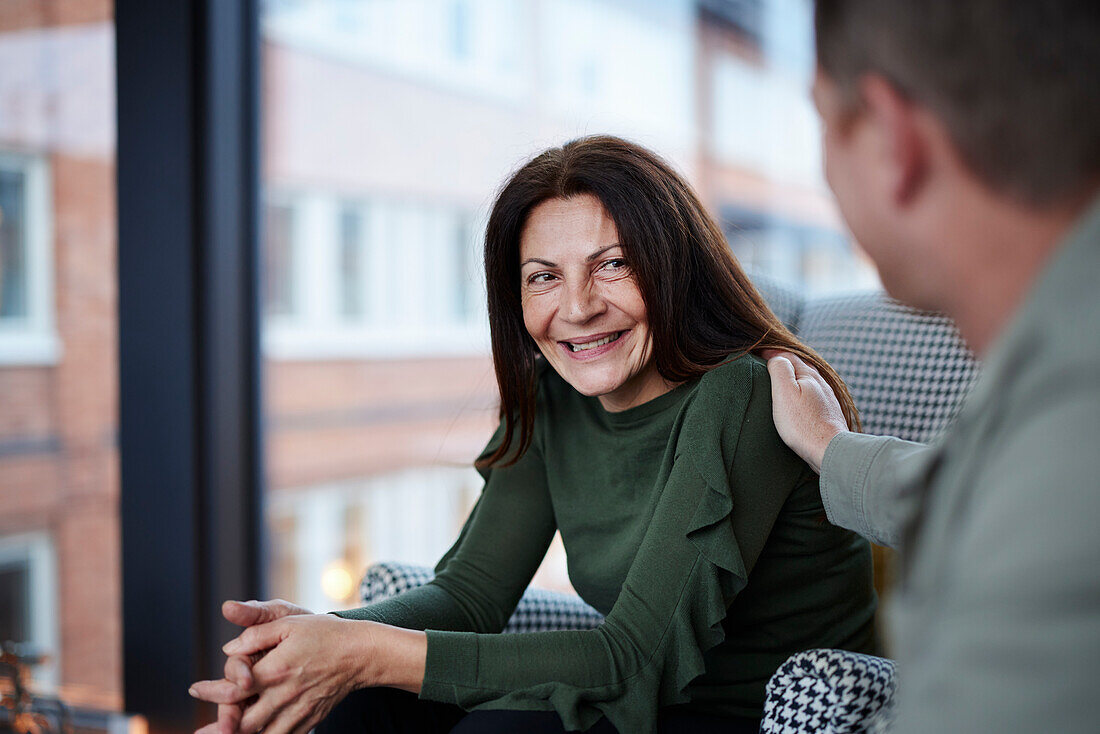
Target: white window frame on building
column 31, row 338
column 418, row 277
column 35, row 551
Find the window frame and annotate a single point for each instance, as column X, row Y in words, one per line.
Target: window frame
column 190, row 435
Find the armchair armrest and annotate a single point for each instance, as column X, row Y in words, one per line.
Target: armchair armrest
column 830, row 691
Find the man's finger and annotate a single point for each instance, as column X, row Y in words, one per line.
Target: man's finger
column 218, row 691
column 211, row 728
column 781, row 370
column 801, row 369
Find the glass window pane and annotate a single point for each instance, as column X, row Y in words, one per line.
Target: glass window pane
column 388, row 127
column 14, row 603
column 13, row 257
column 59, row 517
column 351, row 263
column 278, row 260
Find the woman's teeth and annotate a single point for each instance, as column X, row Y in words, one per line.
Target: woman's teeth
column 592, row 345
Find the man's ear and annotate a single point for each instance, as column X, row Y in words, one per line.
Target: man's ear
column 903, row 147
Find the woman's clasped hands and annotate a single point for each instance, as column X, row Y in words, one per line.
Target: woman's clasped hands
column 289, row 668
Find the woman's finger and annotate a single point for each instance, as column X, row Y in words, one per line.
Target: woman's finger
column 249, row 613
column 218, row 691
column 211, row 728
column 229, row 719
column 238, row 669
column 263, row 712
column 295, row 717
column 256, row 639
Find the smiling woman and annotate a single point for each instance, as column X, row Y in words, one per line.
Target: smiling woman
column 697, row 305
column 636, row 420
column 582, row 307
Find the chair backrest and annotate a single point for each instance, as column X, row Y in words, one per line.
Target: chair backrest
column 908, row 370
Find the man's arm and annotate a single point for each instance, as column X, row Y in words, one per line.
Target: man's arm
column 865, row 483
column 863, row 478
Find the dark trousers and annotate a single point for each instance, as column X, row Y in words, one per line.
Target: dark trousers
column 398, row 712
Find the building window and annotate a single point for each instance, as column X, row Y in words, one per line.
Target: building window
column 27, row 334
column 373, row 277
column 14, row 611
column 278, row 260
column 460, row 30
column 13, row 244
column 466, row 292
column 28, row 597
column 352, row 263
column 744, row 16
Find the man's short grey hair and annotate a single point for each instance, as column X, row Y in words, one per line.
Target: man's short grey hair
column 1016, row 83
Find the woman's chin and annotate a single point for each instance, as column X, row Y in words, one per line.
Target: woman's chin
column 593, row 391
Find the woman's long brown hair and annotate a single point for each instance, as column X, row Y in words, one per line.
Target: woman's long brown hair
column 701, row 308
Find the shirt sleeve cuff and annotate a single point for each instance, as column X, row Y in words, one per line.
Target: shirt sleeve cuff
column 844, row 471
column 452, row 657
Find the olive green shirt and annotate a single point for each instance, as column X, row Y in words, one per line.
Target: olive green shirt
column 996, row 623
column 686, row 522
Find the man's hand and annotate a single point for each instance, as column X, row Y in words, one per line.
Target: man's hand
column 804, row 408
column 236, row 689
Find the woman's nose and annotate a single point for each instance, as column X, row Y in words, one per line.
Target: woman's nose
column 583, row 301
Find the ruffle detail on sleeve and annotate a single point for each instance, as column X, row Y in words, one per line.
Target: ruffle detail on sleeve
column 632, row 703
column 696, row 504
column 708, row 439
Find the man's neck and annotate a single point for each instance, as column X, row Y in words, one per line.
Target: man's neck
column 1002, row 249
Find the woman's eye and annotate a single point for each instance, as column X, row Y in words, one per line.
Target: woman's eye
column 616, row 263
column 539, row 279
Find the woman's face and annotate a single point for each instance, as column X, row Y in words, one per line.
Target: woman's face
column 582, row 306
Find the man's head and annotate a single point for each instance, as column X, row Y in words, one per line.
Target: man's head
column 923, row 99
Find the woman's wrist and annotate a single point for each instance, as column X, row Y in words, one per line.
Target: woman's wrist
column 390, row 656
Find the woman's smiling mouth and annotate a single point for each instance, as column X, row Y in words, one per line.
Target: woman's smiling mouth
column 589, row 347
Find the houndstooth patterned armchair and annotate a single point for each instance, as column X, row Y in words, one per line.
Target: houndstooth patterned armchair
column 908, row 372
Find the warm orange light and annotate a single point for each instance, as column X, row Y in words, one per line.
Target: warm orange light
column 337, row 581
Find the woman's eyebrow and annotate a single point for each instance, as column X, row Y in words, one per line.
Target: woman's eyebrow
column 588, row 259
column 538, row 260
column 597, row 253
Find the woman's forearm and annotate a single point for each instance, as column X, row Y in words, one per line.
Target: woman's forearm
column 394, row 657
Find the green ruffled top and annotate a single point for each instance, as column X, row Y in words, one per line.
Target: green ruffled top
column 686, row 521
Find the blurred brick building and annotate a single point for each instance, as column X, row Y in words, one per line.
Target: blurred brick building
column 59, row 525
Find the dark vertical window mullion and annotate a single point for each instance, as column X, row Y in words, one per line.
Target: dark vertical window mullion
column 229, row 350
column 189, row 345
